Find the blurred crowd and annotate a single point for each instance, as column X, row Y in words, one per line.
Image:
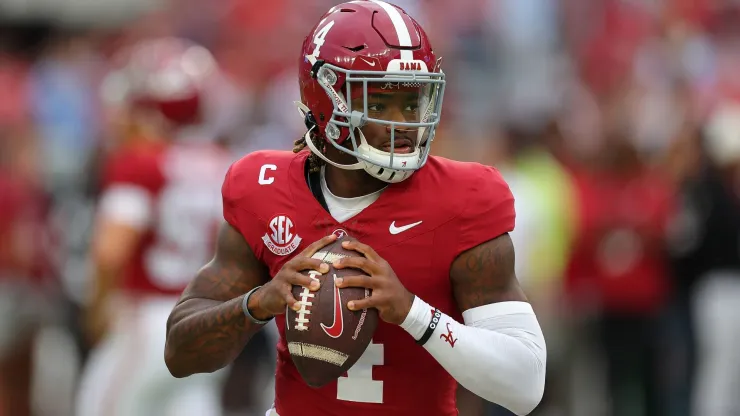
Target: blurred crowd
column 615, row 122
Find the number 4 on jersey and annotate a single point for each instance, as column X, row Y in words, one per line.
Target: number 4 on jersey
column 359, row 385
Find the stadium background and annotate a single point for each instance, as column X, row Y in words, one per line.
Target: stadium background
column 592, row 109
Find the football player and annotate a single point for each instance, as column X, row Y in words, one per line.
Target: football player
column 26, row 268
column 433, row 232
column 158, row 215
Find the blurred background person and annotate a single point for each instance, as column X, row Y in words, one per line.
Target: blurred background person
column 157, row 215
column 26, row 284
column 617, row 278
column 707, row 247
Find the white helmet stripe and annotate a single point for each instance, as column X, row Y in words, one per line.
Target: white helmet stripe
column 404, row 37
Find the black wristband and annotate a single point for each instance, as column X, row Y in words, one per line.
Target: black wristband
column 436, row 316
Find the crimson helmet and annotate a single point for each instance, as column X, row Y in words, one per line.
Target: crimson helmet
column 361, row 46
column 166, row 74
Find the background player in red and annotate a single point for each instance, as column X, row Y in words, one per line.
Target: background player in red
column 158, row 214
column 434, row 233
column 26, row 278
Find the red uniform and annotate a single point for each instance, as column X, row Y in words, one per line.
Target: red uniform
column 168, row 193
column 419, row 226
column 23, row 231
column 618, row 256
column 180, row 182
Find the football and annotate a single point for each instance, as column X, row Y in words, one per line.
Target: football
column 325, row 339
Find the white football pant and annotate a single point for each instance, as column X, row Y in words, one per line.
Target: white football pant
column 126, row 374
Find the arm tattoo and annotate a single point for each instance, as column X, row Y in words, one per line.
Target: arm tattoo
column 485, row 274
column 207, row 328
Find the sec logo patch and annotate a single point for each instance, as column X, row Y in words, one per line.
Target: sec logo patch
column 281, row 238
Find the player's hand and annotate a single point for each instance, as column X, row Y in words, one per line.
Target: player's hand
column 272, row 298
column 391, row 299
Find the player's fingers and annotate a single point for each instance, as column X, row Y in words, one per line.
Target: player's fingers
column 302, row 280
column 361, row 263
column 355, row 281
column 365, row 249
column 299, row 263
column 360, row 304
column 290, row 301
column 317, row 245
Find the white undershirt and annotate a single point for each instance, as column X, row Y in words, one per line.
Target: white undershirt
column 343, row 209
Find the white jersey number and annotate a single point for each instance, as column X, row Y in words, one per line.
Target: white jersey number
column 359, row 385
column 187, row 217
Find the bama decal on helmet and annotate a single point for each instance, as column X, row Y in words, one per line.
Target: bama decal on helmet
column 281, row 238
column 407, row 65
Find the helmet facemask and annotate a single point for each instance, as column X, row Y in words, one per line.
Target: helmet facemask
column 358, row 101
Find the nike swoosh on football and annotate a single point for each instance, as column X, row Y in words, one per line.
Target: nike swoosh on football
column 368, row 62
column 397, row 230
column 337, row 327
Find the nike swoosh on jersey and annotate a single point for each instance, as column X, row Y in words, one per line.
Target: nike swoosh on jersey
column 397, row 230
column 337, row 327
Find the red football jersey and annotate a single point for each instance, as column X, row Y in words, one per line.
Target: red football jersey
column 419, row 226
column 24, row 236
column 180, row 182
column 618, row 257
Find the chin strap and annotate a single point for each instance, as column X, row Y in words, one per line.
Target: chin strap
column 315, row 150
column 309, row 142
